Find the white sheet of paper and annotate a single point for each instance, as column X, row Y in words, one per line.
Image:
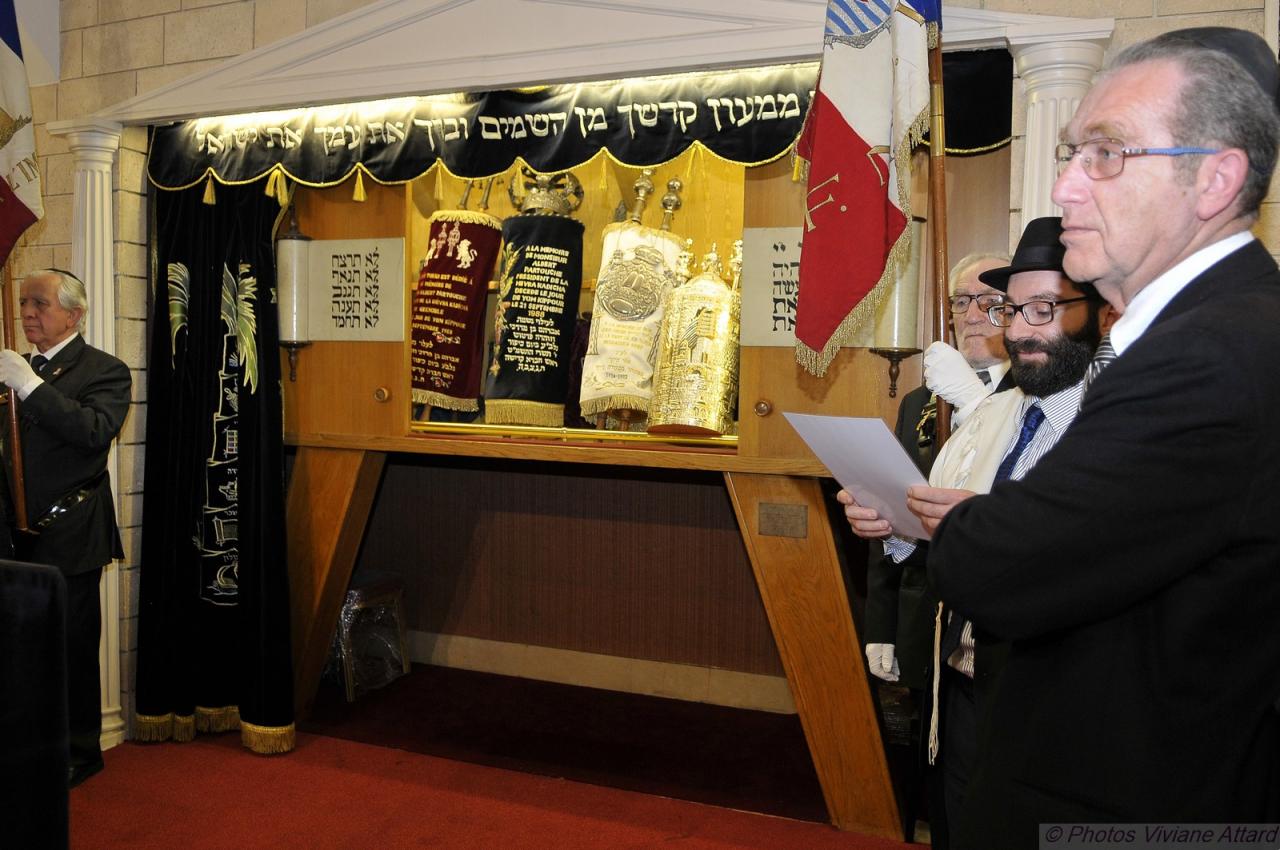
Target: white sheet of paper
column 868, row 461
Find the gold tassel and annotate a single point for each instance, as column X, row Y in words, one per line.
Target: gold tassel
column 210, row 197
column 277, row 187
column 152, row 728
column 268, row 740
column 223, row 719
column 358, row 195
column 437, row 188
column 184, row 728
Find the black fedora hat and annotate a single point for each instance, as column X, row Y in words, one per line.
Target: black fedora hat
column 1040, row 249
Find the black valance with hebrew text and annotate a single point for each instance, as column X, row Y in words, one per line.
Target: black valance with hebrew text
column 747, row 116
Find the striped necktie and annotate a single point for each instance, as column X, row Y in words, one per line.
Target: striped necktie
column 1101, row 359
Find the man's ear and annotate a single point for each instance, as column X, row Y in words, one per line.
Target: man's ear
column 1107, row 316
column 76, row 315
column 1219, row 181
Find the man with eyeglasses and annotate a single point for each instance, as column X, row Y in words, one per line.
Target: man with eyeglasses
column 897, row 626
column 1135, row 570
column 1050, row 328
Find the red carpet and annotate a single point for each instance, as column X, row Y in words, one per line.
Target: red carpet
column 332, row 793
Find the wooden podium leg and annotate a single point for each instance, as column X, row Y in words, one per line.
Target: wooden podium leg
column 330, row 495
column 788, row 538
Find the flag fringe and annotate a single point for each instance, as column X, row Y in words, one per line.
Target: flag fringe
column 521, row 412
column 223, row 719
column 816, row 362
column 268, row 740
column 620, row 401
column 448, row 402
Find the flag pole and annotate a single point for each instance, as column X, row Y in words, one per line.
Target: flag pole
column 17, row 483
column 938, row 221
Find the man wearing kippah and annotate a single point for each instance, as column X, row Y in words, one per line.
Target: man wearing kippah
column 1135, row 571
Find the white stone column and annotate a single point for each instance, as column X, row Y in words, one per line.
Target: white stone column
column 93, row 145
column 1057, row 73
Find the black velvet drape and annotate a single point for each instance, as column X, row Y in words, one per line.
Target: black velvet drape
column 213, row 646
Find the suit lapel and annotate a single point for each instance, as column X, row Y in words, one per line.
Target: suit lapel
column 64, row 359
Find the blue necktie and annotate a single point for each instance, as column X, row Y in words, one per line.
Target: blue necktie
column 1030, row 424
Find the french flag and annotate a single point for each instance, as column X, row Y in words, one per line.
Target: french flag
column 20, row 202
column 870, row 109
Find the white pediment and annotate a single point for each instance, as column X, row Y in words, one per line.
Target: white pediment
column 419, row 47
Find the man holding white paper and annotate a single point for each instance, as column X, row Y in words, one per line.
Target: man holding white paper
column 1052, row 327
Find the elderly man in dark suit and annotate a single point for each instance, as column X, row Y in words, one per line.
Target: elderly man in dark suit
column 73, row 403
column 1136, row 569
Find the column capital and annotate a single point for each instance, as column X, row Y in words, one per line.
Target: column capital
column 1044, row 63
column 93, row 141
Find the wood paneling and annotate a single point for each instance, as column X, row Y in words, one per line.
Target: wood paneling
column 330, row 491
column 803, row 592
column 635, row 563
column 358, row 388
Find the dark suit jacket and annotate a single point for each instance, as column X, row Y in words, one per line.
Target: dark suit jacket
column 67, row 425
column 1136, row 573
column 901, row 606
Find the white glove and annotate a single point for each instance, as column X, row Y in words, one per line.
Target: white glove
column 950, row 376
column 882, row 662
column 15, row 370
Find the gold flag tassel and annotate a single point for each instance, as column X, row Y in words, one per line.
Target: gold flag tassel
column 358, row 194
column 268, row 740
column 210, row 196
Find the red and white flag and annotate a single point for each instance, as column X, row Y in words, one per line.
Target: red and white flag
column 20, row 203
column 871, row 108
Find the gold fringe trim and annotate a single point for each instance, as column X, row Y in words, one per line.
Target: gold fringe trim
column 966, row 151
column 152, row 728
column 224, row 719
column 502, row 411
column 358, row 195
column 467, row 217
column 268, row 740
column 210, row 197
column 448, row 402
column 184, row 728
column 621, row 401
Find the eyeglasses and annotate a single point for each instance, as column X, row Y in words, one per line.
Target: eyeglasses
column 960, row 303
column 1035, row 312
column 1104, row 158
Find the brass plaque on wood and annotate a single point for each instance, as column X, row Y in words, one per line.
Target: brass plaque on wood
column 784, row 520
